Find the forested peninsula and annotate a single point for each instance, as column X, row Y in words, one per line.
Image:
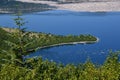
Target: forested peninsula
column 41, row 40
column 16, row 43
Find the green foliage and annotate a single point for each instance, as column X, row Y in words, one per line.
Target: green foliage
column 3, row 37
column 37, row 69
column 22, row 42
column 19, row 42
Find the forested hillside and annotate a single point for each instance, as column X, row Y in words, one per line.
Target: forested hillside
column 11, row 6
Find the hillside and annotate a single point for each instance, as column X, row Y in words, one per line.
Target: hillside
column 12, row 6
column 81, row 5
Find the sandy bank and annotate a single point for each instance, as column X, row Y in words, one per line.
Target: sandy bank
column 88, row 6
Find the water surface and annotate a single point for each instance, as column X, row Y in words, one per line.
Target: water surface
column 104, row 25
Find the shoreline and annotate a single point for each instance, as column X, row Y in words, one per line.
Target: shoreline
column 61, row 44
column 11, row 30
column 109, row 6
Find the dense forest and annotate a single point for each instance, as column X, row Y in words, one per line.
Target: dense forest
column 34, row 40
column 37, row 69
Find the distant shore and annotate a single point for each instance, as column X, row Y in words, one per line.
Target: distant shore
column 85, row 6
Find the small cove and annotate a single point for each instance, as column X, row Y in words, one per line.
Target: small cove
column 104, row 25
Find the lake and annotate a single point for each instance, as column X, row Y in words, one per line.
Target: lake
column 104, row 25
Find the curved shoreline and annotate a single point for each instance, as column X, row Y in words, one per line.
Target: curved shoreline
column 61, row 44
column 53, row 45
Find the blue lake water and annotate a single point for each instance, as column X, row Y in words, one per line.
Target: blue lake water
column 105, row 25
